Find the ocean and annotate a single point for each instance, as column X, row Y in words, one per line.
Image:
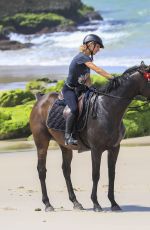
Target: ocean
column 124, row 31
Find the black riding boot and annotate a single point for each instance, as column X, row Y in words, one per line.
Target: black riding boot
column 70, row 123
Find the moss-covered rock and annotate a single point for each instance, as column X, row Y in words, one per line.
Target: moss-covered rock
column 29, row 17
column 28, row 23
column 47, row 80
column 15, row 97
column 9, row 7
column 36, row 86
column 98, row 81
column 56, row 88
column 42, row 86
column 137, row 121
column 87, row 12
column 14, row 121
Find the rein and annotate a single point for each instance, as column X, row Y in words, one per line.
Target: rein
column 94, row 108
column 142, row 70
column 110, row 95
column 147, row 101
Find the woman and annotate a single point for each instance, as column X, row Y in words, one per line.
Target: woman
column 79, row 74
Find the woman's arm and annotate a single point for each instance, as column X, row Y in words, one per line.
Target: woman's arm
column 98, row 70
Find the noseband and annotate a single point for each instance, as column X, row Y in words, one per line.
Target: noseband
column 146, row 76
column 145, row 71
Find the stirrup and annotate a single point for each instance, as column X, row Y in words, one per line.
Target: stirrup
column 70, row 141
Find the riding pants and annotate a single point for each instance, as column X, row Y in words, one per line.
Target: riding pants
column 71, row 99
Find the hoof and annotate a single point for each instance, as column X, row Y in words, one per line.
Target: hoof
column 116, row 208
column 97, row 208
column 78, row 206
column 49, row 208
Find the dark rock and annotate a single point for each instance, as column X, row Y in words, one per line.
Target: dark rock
column 13, row 45
column 8, row 29
column 3, row 37
column 9, row 7
column 73, row 11
column 94, row 16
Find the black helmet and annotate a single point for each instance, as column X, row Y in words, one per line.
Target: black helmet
column 93, row 38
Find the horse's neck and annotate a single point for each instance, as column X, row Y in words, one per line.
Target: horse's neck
column 128, row 88
column 117, row 105
column 114, row 108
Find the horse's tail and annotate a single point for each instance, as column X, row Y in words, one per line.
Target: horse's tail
column 38, row 96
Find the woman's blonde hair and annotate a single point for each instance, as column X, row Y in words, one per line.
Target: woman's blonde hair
column 83, row 48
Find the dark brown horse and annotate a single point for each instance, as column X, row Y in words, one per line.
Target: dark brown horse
column 100, row 134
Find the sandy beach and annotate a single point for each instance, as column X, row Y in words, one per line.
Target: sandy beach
column 21, row 194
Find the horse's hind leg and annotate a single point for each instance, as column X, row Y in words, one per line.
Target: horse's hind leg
column 42, row 141
column 66, row 167
column 112, row 159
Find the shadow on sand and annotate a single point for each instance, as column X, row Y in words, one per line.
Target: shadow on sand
column 125, row 208
column 135, row 208
column 131, row 208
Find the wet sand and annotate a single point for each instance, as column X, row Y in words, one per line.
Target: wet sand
column 21, row 194
column 27, row 73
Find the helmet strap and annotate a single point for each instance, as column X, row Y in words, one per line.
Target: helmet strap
column 91, row 51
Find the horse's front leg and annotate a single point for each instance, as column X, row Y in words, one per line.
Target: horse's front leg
column 66, row 167
column 96, row 160
column 112, row 159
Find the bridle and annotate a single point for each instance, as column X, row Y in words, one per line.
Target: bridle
column 144, row 71
column 147, row 76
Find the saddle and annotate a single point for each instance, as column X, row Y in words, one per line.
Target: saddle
column 67, row 109
column 58, row 113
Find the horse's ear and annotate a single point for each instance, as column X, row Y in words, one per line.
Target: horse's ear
column 142, row 63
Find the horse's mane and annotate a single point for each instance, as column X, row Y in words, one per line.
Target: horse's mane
column 130, row 71
column 117, row 81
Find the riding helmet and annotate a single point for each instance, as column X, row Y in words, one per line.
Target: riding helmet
column 93, row 38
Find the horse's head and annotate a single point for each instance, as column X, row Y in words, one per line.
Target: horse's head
column 136, row 79
column 144, row 72
column 140, row 78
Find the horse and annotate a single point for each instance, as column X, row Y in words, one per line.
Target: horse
column 104, row 132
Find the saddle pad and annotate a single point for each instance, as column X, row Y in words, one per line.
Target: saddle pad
column 56, row 120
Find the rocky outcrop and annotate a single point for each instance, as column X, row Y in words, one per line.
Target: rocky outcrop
column 34, row 16
column 11, row 7
column 13, row 45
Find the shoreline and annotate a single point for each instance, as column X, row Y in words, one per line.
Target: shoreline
column 23, row 144
column 26, row 73
column 16, row 77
